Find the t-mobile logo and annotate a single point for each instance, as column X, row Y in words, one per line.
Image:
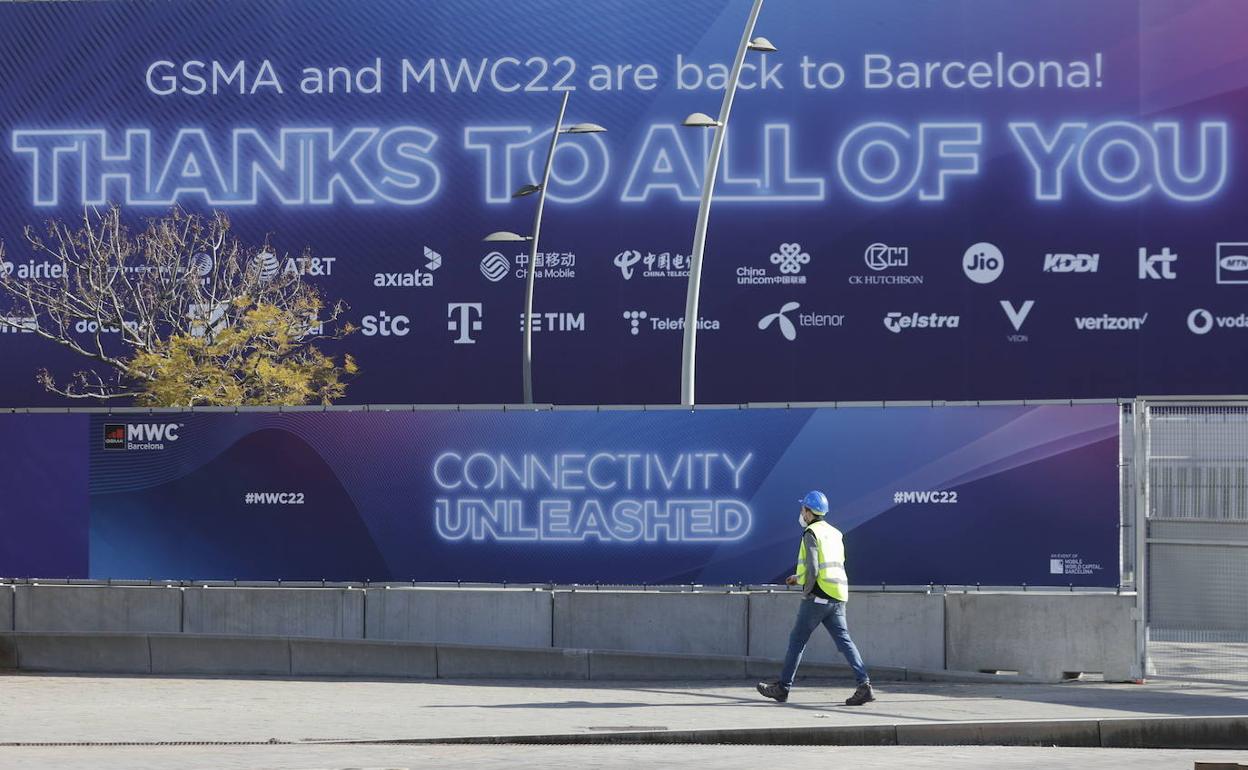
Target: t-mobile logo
column 464, row 317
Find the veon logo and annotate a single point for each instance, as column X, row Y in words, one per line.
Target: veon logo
column 556, row 322
column 1232, row 261
column 1157, row 267
column 1201, row 321
column 897, row 322
column 1018, row 317
column 983, row 263
column 1108, row 323
column 880, row 256
column 495, row 266
column 385, row 325
column 1071, row 263
column 464, row 318
column 140, row 436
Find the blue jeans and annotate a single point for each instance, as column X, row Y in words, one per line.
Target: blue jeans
column 832, row 616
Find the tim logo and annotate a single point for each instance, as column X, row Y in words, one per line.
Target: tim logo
column 141, row 436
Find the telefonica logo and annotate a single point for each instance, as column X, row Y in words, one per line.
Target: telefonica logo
column 1108, row 323
column 896, row 322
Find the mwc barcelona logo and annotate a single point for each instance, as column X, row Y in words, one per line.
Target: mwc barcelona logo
column 140, row 436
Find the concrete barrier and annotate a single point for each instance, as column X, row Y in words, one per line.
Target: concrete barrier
column 1041, row 635
column 236, row 656
column 85, row 654
column 315, row 657
column 658, row 666
column 511, row 618
column 455, row 662
column 323, row 613
column 900, row 630
column 641, row 621
column 95, row 609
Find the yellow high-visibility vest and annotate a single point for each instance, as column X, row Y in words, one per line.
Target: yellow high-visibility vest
column 832, row 578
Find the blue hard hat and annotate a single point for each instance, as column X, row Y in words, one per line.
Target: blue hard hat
column 816, row 501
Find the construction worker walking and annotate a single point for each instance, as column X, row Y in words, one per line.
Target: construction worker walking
column 821, row 573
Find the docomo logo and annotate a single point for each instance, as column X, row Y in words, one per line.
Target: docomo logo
column 880, row 256
column 896, row 322
column 92, row 327
column 1071, row 263
column 1201, row 321
column 983, row 263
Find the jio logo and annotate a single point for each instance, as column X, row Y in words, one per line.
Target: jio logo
column 983, row 263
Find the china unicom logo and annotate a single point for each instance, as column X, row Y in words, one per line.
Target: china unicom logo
column 790, row 258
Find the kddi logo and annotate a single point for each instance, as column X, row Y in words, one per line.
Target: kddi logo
column 898, row 322
column 140, row 436
column 1071, row 263
column 415, row 278
column 1201, row 321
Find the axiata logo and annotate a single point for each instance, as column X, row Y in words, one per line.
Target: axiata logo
column 1071, row 263
column 495, row 266
column 896, row 322
column 385, row 325
column 140, row 436
column 1232, row 263
column 1149, row 265
column 1201, row 321
column 1108, row 323
column 983, row 263
column 881, row 256
column 464, row 318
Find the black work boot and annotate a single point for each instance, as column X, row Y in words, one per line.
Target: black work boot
column 862, row 695
column 773, row 690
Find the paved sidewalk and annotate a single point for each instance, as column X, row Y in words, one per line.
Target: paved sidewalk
column 77, row 709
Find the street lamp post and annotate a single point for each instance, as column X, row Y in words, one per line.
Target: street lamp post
column 701, row 120
column 505, row 236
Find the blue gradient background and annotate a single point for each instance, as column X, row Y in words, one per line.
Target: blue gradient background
column 1032, row 481
column 69, row 64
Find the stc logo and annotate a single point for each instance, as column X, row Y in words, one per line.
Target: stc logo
column 464, row 318
column 495, row 266
column 1232, row 263
column 1071, row 263
column 385, row 325
column 140, row 436
column 1149, row 265
column 897, row 322
column 1201, row 321
column 983, row 263
column 880, row 256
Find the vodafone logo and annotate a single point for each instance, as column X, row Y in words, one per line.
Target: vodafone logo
column 1201, row 321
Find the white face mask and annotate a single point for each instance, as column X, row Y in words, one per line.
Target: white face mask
column 801, row 520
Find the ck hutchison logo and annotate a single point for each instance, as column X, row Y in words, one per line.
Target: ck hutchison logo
column 114, row 437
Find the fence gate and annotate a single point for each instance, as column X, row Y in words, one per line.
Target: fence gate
column 1191, row 514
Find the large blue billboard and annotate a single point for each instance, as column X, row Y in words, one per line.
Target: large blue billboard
column 967, row 199
column 959, row 495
